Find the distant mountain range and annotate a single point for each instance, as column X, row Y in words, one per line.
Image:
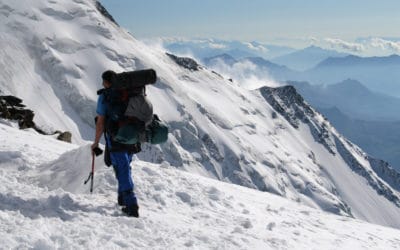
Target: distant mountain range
column 224, row 58
column 351, row 97
column 306, row 58
column 381, row 74
column 313, row 64
column 351, row 60
column 298, row 60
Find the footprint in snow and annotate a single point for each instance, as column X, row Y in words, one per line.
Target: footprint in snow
column 305, row 212
column 214, row 194
column 185, row 197
column 246, row 223
column 150, row 171
column 159, row 199
column 7, row 156
column 159, row 187
column 271, row 226
column 237, row 230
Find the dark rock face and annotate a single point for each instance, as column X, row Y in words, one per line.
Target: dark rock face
column 291, row 105
column 386, row 172
column 105, row 13
column 11, row 108
column 287, row 102
column 381, row 168
column 210, row 145
column 185, row 62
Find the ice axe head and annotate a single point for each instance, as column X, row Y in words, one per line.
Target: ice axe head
column 97, row 151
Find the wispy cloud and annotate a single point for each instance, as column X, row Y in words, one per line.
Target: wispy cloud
column 206, row 43
column 341, row 44
column 245, row 73
column 385, row 44
column 313, row 40
column 216, row 45
column 168, row 39
column 256, row 47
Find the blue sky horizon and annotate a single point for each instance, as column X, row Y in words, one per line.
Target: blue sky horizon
column 347, row 25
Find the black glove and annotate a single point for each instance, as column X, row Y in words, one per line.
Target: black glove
column 97, row 151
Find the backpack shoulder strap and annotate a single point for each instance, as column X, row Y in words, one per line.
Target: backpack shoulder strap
column 101, row 91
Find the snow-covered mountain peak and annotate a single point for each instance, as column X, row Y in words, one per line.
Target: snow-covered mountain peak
column 287, row 102
column 52, row 54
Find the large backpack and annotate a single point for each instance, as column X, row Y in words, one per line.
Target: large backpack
column 130, row 119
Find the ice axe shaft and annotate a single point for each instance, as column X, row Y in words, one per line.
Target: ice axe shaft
column 91, row 175
column 96, row 152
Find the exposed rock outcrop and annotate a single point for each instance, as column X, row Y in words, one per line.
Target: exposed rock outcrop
column 11, row 108
column 105, row 13
column 185, row 62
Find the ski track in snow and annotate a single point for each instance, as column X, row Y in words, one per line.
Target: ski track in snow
column 178, row 210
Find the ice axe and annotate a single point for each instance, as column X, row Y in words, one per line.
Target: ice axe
column 97, row 151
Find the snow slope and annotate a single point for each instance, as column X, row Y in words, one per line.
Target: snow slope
column 45, row 205
column 52, row 53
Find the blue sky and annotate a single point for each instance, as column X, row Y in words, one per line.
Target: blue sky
column 285, row 21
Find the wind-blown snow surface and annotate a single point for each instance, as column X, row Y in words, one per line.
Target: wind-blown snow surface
column 45, row 205
column 53, row 52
